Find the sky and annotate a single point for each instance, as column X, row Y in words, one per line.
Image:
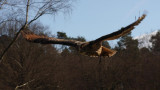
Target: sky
column 94, row 18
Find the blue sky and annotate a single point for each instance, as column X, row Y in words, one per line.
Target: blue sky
column 94, row 18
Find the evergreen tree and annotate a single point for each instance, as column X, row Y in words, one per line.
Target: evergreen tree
column 156, row 43
column 128, row 45
column 62, row 35
column 66, row 49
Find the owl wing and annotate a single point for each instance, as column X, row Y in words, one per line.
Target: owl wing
column 121, row 32
column 31, row 37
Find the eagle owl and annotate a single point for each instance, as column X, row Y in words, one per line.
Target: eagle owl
column 92, row 48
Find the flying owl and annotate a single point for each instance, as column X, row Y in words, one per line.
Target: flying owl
column 92, row 48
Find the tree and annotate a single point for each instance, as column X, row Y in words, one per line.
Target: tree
column 62, row 35
column 128, row 43
column 66, row 49
column 78, row 38
column 37, row 9
column 155, row 43
column 128, row 59
column 27, row 65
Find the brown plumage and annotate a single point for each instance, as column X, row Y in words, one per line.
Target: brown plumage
column 92, row 48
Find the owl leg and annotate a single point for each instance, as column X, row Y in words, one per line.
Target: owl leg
column 107, row 52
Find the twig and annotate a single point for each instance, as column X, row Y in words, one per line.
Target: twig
column 4, row 21
column 23, row 84
column 15, row 38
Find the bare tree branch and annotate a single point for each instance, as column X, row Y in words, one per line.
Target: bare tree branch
column 51, row 6
column 27, row 10
column 14, row 20
column 20, row 86
column 15, row 38
column 35, row 18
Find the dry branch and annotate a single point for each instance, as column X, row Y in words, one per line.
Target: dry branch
column 25, row 84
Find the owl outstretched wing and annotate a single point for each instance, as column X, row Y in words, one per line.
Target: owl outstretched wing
column 31, row 37
column 120, row 32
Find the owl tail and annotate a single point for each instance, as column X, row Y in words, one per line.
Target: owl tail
column 107, row 52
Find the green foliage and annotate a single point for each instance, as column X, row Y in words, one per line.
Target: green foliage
column 62, row 35
column 79, row 38
column 128, row 43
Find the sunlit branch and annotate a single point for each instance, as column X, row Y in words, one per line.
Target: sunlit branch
column 20, row 86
